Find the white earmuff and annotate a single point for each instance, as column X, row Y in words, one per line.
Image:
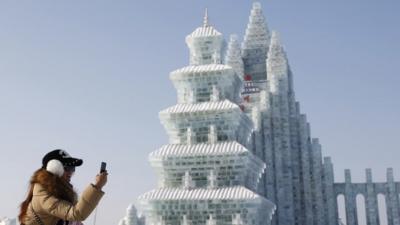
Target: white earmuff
column 55, row 167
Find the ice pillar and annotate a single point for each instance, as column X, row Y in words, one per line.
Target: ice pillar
column 392, row 199
column 371, row 201
column 331, row 216
column 350, row 200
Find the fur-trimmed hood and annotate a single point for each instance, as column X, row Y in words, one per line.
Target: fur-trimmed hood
column 54, row 185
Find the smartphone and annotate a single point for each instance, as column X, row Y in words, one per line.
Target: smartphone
column 103, row 167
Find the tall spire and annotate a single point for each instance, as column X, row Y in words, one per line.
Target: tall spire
column 205, row 19
column 277, row 62
column 257, row 32
column 255, row 44
column 234, row 56
column 277, row 65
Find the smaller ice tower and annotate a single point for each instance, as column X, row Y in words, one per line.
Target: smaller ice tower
column 205, row 44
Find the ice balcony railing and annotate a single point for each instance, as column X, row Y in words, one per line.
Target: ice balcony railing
column 210, row 93
column 198, row 204
column 189, row 123
column 205, row 50
column 232, row 132
column 209, row 217
column 230, row 162
column 198, row 83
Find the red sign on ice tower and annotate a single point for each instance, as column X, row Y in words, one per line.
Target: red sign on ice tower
column 247, row 77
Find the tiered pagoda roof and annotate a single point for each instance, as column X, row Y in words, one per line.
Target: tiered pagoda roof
column 224, row 193
column 209, row 68
column 219, row 148
column 200, row 107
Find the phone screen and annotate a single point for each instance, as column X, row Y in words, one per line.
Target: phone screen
column 103, row 167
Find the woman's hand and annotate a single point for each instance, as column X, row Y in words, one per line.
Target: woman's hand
column 101, row 179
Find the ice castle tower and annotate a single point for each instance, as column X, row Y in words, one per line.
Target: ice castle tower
column 207, row 175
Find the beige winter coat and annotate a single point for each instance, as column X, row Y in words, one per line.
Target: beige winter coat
column 50, row 209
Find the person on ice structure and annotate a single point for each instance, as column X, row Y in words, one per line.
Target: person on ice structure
column 51, row 198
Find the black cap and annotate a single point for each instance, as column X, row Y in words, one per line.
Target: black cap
column 62, row 156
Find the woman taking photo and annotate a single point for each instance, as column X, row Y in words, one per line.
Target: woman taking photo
column 51, row 198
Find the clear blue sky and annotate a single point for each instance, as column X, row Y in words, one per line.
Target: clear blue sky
column 91, row 76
